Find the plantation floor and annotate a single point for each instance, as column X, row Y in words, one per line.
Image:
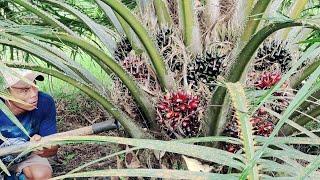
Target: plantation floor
column 78, row 111
column 73, row 113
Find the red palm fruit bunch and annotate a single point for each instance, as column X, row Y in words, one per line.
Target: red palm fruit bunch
column 231, row 130
column 178, row 114
column 260, row 126
column 280, row 103
column 136, row 67
column 267, row 80
column 141, row 71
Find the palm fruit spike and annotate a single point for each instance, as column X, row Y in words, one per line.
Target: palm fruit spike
column 173, row 8
column 267, row 80
column 123, row 49
column 163, row 38
column 178, row 114
column 271, row 53
column 205, row 69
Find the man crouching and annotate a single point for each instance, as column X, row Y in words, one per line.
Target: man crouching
column 37, row 115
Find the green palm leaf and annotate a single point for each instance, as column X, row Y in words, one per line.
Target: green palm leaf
column 4, row 168
column 152, row 173
column 45, row 16
column 99, row 31
column 239, row 102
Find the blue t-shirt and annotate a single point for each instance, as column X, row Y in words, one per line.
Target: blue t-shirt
column 40, row 121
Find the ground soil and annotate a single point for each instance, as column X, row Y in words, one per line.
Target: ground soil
column 73, row 113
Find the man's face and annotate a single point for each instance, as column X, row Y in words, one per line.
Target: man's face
column 25, row 92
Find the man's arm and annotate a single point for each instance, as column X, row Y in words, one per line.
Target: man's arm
column 46, row 151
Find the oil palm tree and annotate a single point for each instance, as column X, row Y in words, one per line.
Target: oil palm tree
column 177, row 61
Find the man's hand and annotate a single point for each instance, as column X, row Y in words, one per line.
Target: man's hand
column 45, row 151
column 35, row 138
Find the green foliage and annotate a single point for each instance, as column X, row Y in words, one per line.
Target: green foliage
column 286, row 168
column 2, row 83
column 239, row 102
